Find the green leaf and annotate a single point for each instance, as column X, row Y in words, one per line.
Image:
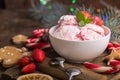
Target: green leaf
column 81, row 23
column 80, row 16
column 88, row 20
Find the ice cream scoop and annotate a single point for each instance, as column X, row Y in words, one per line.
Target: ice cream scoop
column 68, row 28
column 67, row 32
column 68, row 20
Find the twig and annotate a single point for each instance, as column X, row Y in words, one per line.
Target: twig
column 34, row 6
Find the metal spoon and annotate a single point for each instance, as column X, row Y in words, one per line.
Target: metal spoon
column 72, row 72
column 69, row 71
column 57, row 62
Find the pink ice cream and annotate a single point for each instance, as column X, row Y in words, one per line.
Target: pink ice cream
column 67, row 32
column 91, row 32
column 68, row 29
column 68, row 20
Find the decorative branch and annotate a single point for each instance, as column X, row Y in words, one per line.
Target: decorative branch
column 34, row 6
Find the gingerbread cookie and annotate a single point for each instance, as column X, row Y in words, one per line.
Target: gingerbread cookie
column 9, row 55
column 115, row 54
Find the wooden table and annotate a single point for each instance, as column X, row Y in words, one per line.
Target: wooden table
column 13, row 23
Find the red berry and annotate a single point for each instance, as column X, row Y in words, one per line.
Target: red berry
column 97, row 20
column 86, row 14
column 24, row 61
column 110, row 45
column 28, row 68
column 38, row 55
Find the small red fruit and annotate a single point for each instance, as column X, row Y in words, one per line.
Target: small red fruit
column 24, row 61
column 38, row 55
column 28, row 68
column 97, row 20
column 86, row 14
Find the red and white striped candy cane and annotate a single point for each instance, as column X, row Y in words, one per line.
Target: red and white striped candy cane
column 115, row 63
column 40, row 45
column 40, row 32
column 101, row 69
column 33, row 40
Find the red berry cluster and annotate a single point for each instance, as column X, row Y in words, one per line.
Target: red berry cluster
column 96, row 20
column 29, row 66
column 112, row 46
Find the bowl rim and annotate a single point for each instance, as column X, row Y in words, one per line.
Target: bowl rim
column 51, row 34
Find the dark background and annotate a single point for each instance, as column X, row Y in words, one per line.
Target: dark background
column 2, row 4
column 23, row 4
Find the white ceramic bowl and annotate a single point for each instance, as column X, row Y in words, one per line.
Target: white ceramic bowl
column 79, row 51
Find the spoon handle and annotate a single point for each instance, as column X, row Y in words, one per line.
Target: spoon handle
column 70, row 77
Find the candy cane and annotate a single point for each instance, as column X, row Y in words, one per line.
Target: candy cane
column 101, row 69
column 33, row 40
column 40, row 45
column 40, row 32
column 115, row 63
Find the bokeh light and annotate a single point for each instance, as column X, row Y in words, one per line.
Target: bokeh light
column 72, row 9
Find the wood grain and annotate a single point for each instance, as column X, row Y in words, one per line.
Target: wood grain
column 56, row 72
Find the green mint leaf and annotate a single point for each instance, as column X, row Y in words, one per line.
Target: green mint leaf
column 82, row 23
column 80, row 16
column 88, row 20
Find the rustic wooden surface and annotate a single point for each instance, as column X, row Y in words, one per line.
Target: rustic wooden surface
column 86, row 74
column 13, row 23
